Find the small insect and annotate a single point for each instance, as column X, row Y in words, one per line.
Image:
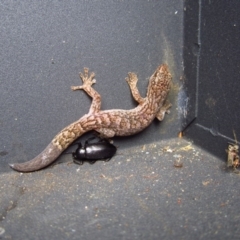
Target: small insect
column 91, row 152
column 233, row 156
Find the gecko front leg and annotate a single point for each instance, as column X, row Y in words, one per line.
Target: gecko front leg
column 88, row 81
column 132, row 82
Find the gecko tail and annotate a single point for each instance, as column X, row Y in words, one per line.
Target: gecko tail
column 45, row 158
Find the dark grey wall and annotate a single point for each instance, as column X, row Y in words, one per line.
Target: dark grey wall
column 212, row 73
column 44, row 44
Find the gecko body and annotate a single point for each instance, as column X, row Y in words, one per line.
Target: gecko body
column 108, row 123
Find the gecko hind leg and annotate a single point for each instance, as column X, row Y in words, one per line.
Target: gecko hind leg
column 88, row 81
column 163, row 110
column 105, row 133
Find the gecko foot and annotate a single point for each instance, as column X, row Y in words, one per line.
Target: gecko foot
column 163, row 110
column 132, row 79
column 88, row 81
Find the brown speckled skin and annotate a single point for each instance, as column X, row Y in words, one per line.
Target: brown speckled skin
column 109, row 123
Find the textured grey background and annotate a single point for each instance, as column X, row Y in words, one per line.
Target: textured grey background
column 140, row 193
column 44, row 44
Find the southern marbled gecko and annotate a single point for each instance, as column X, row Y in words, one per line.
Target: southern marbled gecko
column 109, row 123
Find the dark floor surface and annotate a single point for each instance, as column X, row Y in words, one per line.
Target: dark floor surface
column 168, row 190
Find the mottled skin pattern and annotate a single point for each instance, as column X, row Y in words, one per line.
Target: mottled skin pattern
column 109, row 123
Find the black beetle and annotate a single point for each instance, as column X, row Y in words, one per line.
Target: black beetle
column 91, row 152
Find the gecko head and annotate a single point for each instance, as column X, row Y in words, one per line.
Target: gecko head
column 159, row 82
column 161, row 75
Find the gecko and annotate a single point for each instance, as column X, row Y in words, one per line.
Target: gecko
column 108, row 123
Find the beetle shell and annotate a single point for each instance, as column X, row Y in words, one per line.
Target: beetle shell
column 91, row 152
